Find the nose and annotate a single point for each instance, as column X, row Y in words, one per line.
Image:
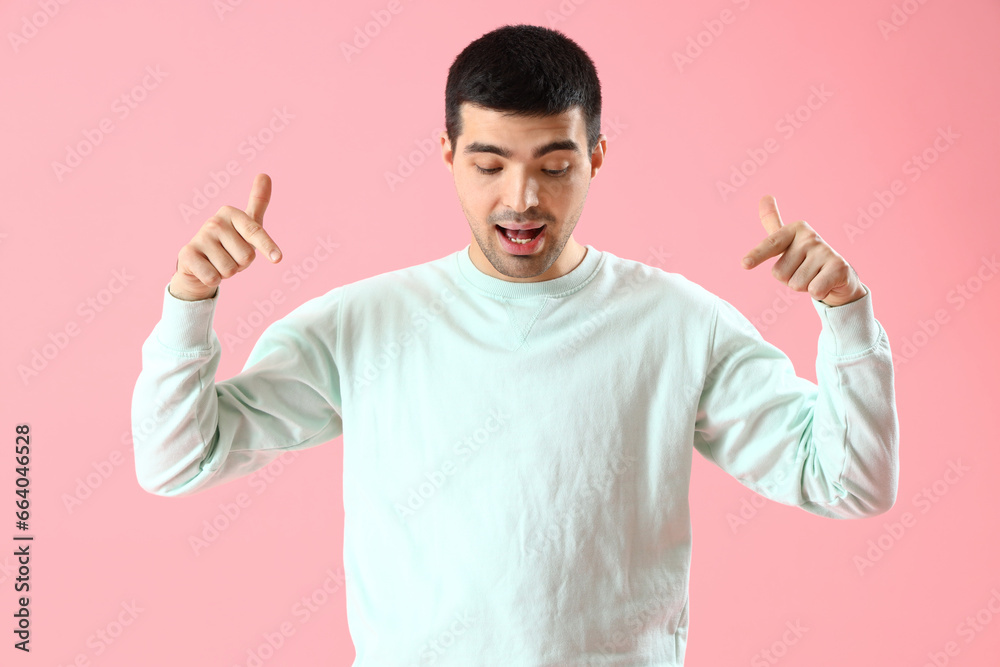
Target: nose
column 520, row 191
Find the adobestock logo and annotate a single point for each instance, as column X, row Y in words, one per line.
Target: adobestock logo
column 562, row 13
column 714, row 28
column 962, row 293
column 369, row 371
column 30, row 25
column 406, row 165
column 102, row 470
column 914, row 167
column 782, row 303
column 597, row 487
column 363, row 36
column 297, row 273
column 779, row 648
column 972, row 626
column 122, row 107
column 88, row 309
column 223, row 7
column 663, row 601
column 925, row 500
column 303, row 610
column 104, row 637
column 230, row 512
column 656, row 258
column 787, row 126
column 432, row 481
column 899, row 17
column 434, row 649
column 749, row 508
column 250, row 148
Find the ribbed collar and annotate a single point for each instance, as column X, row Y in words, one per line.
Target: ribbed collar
column 560, row 286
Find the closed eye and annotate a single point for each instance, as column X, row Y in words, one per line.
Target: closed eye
column 550, row 172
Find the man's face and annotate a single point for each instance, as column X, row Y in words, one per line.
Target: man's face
column 523, row 188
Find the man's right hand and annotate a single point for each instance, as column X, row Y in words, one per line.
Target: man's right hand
column 224, row 246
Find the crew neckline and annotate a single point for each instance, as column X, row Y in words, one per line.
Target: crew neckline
column 561, row 286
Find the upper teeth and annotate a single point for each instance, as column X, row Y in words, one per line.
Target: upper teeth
column 521, row 241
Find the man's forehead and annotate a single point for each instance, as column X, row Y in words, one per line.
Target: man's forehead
column 491, row 131
column 485, row 116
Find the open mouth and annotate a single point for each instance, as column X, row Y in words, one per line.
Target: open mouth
column 521, row 242
column 522, row 236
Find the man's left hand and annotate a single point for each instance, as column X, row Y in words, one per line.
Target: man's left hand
column 807, row 263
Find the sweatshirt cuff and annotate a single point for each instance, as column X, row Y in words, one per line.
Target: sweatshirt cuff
column 186, row 326
column 851, row 328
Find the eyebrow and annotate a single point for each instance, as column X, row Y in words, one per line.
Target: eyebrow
column 560, row 145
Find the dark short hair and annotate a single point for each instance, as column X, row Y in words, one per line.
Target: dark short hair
column 525, row 70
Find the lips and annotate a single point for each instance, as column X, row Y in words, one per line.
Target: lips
column 528, row 240
column 527, row 225
column 521, row 232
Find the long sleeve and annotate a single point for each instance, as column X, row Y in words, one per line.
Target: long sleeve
column 830, row 448
column 191, row 432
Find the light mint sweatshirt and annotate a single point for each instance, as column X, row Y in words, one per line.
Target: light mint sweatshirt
column 517, row 456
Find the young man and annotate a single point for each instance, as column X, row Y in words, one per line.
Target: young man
column 519, row 416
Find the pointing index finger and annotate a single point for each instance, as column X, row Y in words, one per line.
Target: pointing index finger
column 260, row 197
column 255, row 234
column 769, row 216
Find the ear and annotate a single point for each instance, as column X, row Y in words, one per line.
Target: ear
column 597, row 157
column 447, row 154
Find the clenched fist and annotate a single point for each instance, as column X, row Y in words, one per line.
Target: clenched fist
column 224, row 246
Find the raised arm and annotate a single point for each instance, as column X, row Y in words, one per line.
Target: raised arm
column 830, row 448
column 191, row 432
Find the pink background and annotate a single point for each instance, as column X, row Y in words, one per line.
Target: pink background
column 674, row 133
